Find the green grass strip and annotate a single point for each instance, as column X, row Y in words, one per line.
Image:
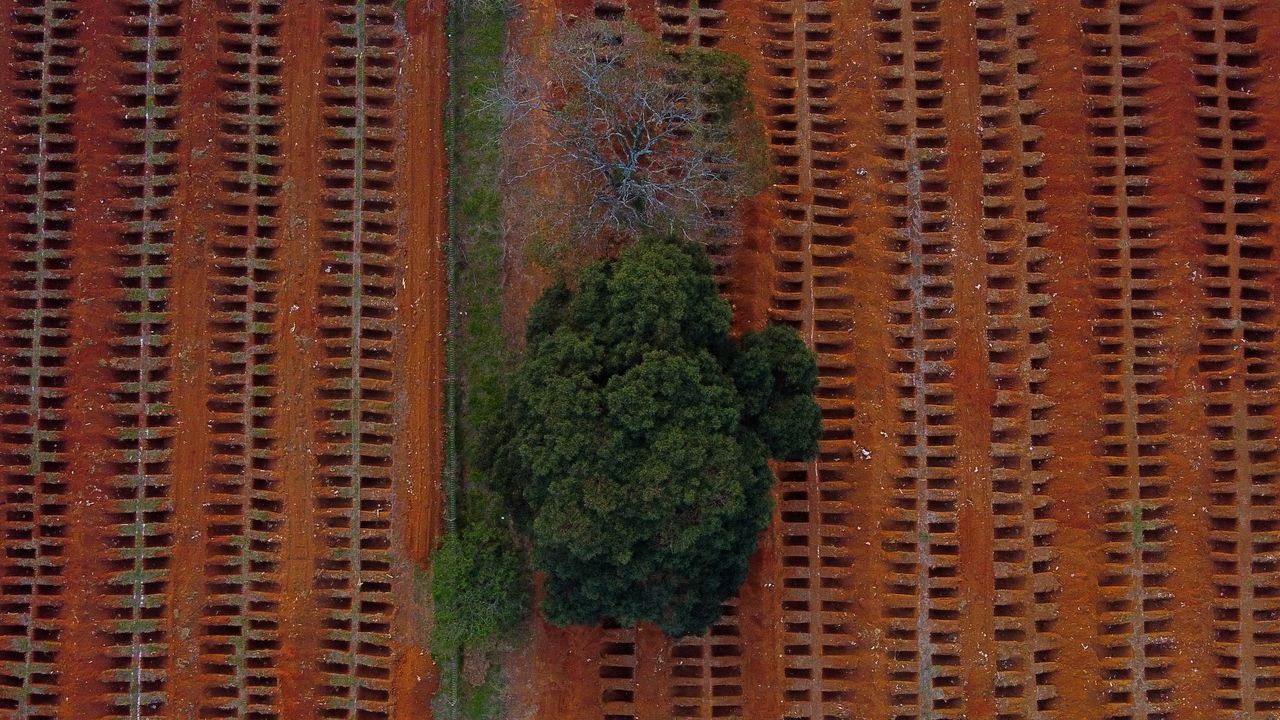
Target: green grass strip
column 475, row 347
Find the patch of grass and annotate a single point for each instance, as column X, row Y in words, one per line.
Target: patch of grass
column 477, row 355
column 1139, row 525
column 458, row 699
column 447, row 704
column 481, row 702
column 486, row 701
column 484, row 358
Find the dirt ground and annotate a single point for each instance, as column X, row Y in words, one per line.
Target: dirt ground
column 1033, row 245
column 224, row 307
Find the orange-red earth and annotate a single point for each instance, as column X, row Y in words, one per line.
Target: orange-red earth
column 1033, row 244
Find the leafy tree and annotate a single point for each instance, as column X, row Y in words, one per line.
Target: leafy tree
column 478, row 587
column 636, row 436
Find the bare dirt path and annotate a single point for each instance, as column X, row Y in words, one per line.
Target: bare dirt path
column 422, row 186
column 564, row 673
column 296, row 324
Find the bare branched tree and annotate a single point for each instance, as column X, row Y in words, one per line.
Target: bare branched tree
column 630, row 131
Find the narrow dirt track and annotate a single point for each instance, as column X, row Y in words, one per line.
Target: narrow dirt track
column 223, row 338
column 1033, row 245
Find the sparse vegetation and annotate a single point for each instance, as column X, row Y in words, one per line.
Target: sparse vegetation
column 644, row 139
column 484, row 357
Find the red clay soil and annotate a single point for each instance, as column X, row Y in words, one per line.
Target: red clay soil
column 224, row 307
column 1034, row 247
column 1033, row 244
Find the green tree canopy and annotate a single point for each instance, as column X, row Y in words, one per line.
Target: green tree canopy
column 635, row 443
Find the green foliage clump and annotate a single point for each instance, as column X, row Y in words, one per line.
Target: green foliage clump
column 636, row 436
column 723, row 78
column 731, row 118
column 777, row 376
column 479, row 588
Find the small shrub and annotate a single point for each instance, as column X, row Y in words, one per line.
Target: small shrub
column 478, row 587
column 731, row 116
column 722, row 78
